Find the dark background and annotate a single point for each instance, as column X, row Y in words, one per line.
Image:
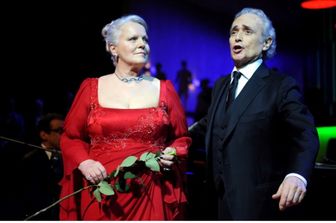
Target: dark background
column 49, row 48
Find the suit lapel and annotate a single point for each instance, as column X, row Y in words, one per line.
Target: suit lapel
column 246, row 96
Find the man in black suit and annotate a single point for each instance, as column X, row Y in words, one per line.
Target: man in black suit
column 43, row 169
column 260, row 138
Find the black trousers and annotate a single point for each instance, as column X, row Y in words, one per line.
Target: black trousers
column 223, row 211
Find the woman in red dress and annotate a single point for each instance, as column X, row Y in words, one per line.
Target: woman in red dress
column 120, row 115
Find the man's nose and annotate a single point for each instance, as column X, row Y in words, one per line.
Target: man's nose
column 141, row 43
column 238, row 36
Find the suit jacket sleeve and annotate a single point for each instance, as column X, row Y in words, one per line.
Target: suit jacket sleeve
column 300, row 129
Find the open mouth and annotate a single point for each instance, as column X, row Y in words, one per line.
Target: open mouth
column 237, row 49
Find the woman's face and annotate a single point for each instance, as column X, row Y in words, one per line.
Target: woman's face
column 132, row 47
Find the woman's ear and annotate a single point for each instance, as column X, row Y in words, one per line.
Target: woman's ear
column 267, row 43
column 112, row 49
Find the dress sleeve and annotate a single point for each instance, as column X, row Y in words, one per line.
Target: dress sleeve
column 178, row 135
column 74, row 140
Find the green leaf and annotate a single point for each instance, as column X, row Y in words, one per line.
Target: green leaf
column 153, row 164
column 129, row 175
column 129, row 161
column 112, row 175
column 97, row 195
column 116, row 172
column 150, row 156
column 158, row 154
column 143, row 156
column 118, row 187
column 105, row 188
column 127, row 188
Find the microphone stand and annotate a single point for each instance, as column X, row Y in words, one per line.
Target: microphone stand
column 31, row 153
column 30, row 145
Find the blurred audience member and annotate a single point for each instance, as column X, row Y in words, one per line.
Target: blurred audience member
column 184, row 79
column 159, row 74
column 43, row 169
column 203, row 100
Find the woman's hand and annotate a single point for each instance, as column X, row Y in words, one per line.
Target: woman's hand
column 93, row 171
column 167, row 158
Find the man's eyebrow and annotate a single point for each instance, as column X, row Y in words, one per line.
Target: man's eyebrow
column 234, row 27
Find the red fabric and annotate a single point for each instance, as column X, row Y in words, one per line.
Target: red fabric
column 110, row 135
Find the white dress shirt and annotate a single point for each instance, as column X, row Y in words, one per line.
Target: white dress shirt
column 247, row 73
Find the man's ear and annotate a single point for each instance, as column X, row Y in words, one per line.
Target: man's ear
column 43, row 135
column 267, row 43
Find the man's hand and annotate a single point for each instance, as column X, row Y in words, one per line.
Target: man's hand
column 291, row 192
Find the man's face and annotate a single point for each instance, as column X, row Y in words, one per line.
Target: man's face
column 246, row 39
column 52, row 139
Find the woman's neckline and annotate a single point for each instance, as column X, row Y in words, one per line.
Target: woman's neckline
column 113, row 108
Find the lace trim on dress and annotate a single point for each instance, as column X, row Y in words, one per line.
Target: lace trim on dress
column 149, row 130
column 149, row 126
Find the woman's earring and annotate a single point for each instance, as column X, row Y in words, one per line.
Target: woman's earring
column 114, row 58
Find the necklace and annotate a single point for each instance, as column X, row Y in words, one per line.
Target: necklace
column 130, row 79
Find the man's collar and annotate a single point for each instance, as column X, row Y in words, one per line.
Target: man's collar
column 46, row 151
column 249, row 69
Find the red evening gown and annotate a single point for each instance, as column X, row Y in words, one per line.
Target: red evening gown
column 109, row 135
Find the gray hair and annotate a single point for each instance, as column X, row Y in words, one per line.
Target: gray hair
column 269, row 30
column 111, row 31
